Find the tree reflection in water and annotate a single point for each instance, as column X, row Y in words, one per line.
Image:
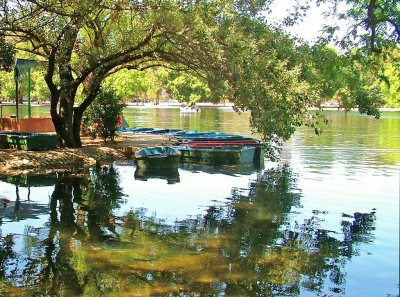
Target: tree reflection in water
column 248, row 247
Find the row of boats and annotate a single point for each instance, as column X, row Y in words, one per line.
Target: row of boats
column 215, row 148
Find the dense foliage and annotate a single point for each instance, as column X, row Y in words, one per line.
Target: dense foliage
column 7, row 53
column 102, row 117
column 188, row 88
column 372, row 25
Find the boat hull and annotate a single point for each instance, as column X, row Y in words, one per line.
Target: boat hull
column 219, row 155
column 223, row 143
column 158, row 162
column 157, row 157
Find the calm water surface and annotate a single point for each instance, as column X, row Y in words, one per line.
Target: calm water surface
column 322, row 222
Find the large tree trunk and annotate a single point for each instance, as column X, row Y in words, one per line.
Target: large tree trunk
column 76, row 126
column 63, row 118
column 66, row 115
column 67, row 119
column 91, row 87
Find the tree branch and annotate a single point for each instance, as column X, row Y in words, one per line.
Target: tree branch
column 117, row 56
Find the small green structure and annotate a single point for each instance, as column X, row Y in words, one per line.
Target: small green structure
column 21, row 67
column 32, row 141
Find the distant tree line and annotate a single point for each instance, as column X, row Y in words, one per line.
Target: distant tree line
column 345, row 79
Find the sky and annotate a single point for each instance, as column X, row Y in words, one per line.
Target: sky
column 310, row 28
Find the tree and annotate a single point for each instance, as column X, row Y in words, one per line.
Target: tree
column 103, row 115
column 6, row 59
column 85, row 42
column 188, row 88
column 263, row 73
column 224, row 43
column 7, row 53
column 376, row 23
column 350, row 79
column 372, row 24
column 129, row 84
column 390, row 77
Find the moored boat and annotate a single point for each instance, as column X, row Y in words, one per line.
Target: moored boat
column 193, row 134
column 157, row 157
column 215, row 143
column 220, row 155
column 214, row 139
column 141, row 130
column 186, row 109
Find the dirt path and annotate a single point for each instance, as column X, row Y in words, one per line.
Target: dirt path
column 93, row 152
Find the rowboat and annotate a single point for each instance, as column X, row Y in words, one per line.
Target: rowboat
column 219, row 155
column 194, row 134
column 150, row 130
column 157, row 157
column 217, row 140
column 215, row 143
column 164, row 131
column 140, row 130
column 186, row 109
column 214, row 139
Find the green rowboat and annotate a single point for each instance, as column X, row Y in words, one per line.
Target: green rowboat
column 157, row 157
column 224, row 155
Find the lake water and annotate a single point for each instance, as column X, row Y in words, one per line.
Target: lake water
column 324, row 221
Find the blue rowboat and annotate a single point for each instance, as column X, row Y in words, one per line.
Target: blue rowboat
column 215, row 139
column 182, row 133
column 157, row 157
column 141, row 130
column 151, row 130
column 231, row 142
column 221, row 155
column 193, row 134
column 164, row 131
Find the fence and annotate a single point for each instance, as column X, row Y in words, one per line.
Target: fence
column 37, row 125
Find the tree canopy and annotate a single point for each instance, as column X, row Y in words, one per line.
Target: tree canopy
column 371, row 24
column 6, row 54
column 224, row 44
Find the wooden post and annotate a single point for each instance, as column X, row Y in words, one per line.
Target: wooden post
column 29, row 93
column 16, row 97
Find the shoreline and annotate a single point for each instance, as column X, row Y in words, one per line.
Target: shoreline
column 204, row 104
column 71, row 160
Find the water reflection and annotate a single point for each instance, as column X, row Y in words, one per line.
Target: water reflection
column 171, row 175
column 352, row 141
column 242, row 169
column 248, row 246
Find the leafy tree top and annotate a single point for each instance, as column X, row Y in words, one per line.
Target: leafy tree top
column 6, row 54
column 371, row 24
